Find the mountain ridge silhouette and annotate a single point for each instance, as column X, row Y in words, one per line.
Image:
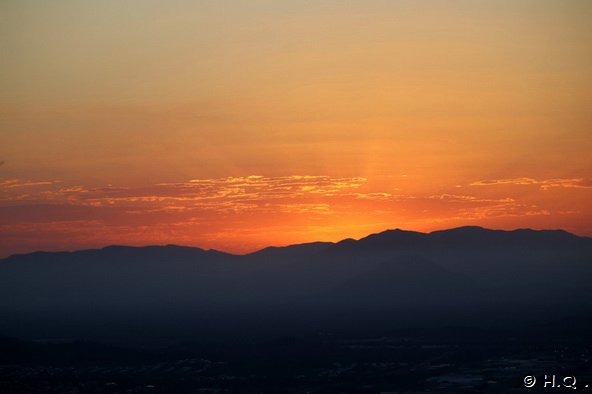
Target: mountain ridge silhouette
column 389, row 279
column 397, row 232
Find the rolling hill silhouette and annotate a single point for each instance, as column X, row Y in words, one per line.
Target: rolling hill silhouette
column 394, row 279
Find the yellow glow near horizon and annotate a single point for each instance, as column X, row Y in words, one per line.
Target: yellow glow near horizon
column 442, row 107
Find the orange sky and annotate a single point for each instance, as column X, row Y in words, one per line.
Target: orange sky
column 236, row 125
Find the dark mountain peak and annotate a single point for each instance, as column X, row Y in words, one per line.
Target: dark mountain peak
column 472, row 237
column 521, row 232
column 293, row 250
column 162, row 252
column 465, row 234
column 397, row 232
column 118, row 253
column 391, row 237
column 465, row 237
column 465, row 230
column 171, row 247
column 462, row 238
column 169, row 251
column 551, row 233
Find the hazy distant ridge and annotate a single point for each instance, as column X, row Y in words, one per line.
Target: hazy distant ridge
column 462, row 270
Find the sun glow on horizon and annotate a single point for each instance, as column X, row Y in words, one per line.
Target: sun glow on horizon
column 243, row 214
column 240, row 125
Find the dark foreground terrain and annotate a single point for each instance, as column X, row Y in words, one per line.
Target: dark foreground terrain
column 461, row 310
column 451, row 360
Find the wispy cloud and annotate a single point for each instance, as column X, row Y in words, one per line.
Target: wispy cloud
column 256, row 194
column 468, row 198
column 580, row 183
column 12, row 183
column 509, row 209
column 230, row 194
column 236, row 213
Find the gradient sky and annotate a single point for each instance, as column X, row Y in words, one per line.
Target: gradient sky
column 239, row 124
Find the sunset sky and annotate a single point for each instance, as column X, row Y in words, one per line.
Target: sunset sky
column 240, row 124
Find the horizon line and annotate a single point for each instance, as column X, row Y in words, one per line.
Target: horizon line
column 295, row 244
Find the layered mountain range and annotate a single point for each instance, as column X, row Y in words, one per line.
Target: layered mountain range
column 467, row 275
